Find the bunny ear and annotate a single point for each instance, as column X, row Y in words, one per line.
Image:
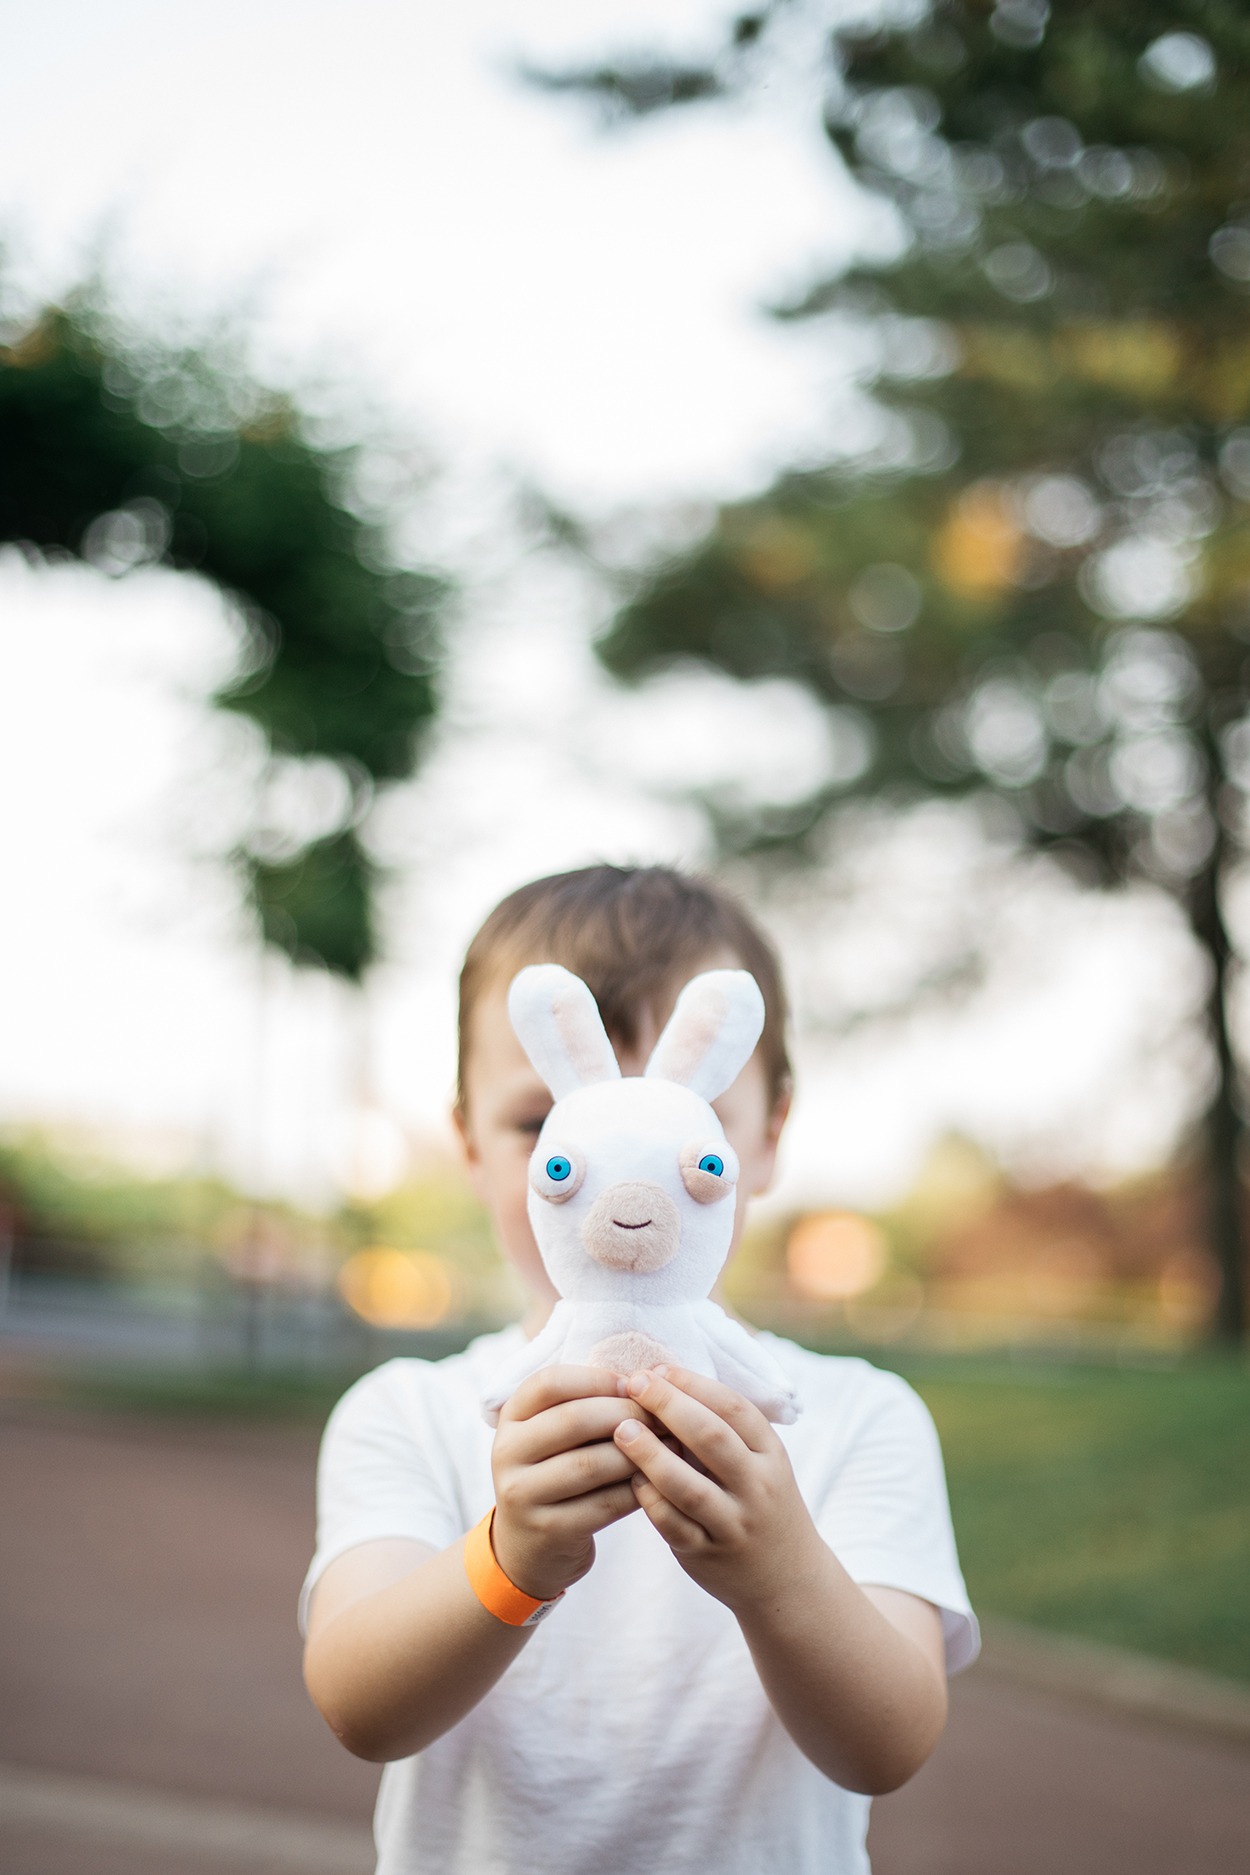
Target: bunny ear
column 559, row 1026
column 709, row 1037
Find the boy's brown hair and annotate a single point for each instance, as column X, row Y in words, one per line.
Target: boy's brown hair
column 635, row 935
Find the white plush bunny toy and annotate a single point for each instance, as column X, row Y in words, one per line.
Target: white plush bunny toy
column 632, row 1187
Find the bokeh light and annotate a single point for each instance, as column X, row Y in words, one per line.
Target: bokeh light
column 396, row 1288
column 833, row 1255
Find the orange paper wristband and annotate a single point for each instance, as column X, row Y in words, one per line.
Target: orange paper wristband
column 497, row 1594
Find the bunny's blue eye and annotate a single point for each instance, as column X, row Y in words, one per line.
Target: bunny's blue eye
column 708, row 1173
column 556, row 1178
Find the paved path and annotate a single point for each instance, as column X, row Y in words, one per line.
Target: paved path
column 1030, row 1784
column 153, row 1721
column 151, row 1573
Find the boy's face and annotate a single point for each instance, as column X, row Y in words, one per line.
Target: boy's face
column 506, row 1103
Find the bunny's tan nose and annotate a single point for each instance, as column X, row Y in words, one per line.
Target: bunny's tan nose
column 632, row 1227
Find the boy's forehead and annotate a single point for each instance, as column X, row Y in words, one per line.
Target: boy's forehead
column 492, row 1042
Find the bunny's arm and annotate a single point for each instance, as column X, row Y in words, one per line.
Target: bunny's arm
column 540, row 1352
column 741, row 1363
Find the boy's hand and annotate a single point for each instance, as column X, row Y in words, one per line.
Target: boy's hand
column 742, row 1531
column 559, row 1477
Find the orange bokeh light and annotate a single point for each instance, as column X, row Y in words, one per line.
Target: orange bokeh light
column 396, row 1288
column 979, row 549
column 833, row 1255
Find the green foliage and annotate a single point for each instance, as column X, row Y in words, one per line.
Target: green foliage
column 122, row 453
column 123, row 1222
column 1061, row 349
column 636, row 89
column 318, row 905
column 71, row 1204
column 1112, row 1505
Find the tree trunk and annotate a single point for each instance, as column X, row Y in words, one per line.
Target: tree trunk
column 1226, row 1234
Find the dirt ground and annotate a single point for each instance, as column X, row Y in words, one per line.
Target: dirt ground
column 153, row 1721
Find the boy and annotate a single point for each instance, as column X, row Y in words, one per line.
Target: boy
column 732, row 1673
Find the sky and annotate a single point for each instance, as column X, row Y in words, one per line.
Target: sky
column 403, row 226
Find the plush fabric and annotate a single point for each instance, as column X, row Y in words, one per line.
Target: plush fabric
column 632, row 1187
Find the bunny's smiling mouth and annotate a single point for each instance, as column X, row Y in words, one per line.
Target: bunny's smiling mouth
column 633, row 1226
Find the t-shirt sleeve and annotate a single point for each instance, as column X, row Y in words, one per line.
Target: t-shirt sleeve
column 887, row 1518
column 378, row 1476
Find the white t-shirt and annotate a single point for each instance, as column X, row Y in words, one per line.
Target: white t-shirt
column 632, row 1736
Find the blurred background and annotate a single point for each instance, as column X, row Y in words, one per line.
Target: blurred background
column 810, row 445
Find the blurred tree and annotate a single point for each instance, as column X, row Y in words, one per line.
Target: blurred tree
column 124, row 453
column 76, row 1212
column 1034, row 577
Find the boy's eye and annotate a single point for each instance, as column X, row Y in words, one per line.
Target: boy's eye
column 529, row 1120
column 713, row 1163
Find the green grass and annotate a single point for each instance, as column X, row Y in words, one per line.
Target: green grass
column 1107, row 1503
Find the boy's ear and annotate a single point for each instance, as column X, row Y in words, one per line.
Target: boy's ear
column 558, row 1024
column 777, row 1118
column 711, row 1034
column 468, row 1147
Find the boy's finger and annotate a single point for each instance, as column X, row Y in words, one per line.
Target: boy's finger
column 573, row 1474
column 678, row 1530
column 737, row 1411
column 697, row 1497
column 575, row 1422
column 711, row 1439
column 551, row 1386
column 583, row 1516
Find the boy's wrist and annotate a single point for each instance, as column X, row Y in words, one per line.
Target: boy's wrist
column 792, row 1578
column 494, row 1586
column 525, row 1564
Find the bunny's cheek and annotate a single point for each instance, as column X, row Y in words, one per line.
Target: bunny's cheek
column 633, row 1227
column 706, row 1187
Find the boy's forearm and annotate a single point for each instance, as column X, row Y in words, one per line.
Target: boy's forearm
column 403, row 1664
column 857, row 1696
column 860, row 1697
column 400, row 1667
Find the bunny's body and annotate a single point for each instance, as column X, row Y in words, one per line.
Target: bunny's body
column 632, row 1187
